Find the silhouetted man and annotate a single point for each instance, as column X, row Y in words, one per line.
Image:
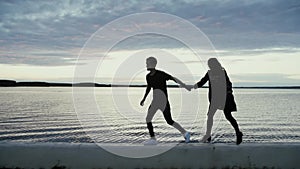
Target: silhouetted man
column 156, row 80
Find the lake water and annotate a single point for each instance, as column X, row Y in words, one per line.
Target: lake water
column 48, row 115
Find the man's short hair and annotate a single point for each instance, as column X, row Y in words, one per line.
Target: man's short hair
column 152, row 60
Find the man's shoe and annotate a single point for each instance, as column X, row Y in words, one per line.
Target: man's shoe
column 151, row 141
column 187, row 137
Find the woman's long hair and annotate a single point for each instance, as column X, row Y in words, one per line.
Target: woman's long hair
column 214, row 64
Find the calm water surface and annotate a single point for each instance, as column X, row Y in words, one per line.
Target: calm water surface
column 48, row 115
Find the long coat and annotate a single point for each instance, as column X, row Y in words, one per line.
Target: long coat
column 230, row 104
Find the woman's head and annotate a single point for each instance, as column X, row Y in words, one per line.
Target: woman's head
column 214, row 64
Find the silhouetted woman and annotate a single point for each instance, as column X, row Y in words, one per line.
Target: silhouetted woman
column 220, row 97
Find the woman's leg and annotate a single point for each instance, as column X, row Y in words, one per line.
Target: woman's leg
column 239, row 134
column 232, row 121
column 209, row 123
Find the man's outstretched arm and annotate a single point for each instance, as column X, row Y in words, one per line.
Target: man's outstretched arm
column 148, row 89
column 181, row 83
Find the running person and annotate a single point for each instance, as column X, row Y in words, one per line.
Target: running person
column 156, row 80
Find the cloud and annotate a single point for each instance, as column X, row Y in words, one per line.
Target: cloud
column 258, row 51
column 250, row 24
column 64, row 26
column 264, row 79
column 38, row 59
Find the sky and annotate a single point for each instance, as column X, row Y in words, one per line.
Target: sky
column 256, row 41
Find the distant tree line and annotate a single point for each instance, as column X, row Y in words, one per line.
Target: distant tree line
column 12, row 83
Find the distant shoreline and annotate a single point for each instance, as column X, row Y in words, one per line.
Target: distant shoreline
column 12, row 83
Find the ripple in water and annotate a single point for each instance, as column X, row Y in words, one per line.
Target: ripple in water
column 48, row 115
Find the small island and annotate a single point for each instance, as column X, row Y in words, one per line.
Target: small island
column 12, row 83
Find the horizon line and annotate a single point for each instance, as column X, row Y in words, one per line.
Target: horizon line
column 13, row 83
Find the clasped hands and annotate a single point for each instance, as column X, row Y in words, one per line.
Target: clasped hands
column 189, row 87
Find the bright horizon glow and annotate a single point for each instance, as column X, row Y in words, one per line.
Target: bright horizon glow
column 271, row 61
column 258, row 42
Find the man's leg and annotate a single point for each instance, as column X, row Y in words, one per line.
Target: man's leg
column 170, row 121
column 151, row 112
column 150, row 128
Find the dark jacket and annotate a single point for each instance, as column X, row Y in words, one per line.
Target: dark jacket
column 230, row 104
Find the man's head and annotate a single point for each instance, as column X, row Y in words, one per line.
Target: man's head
column 151, row 63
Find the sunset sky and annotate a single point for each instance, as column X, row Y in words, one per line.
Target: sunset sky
column 257, row 41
